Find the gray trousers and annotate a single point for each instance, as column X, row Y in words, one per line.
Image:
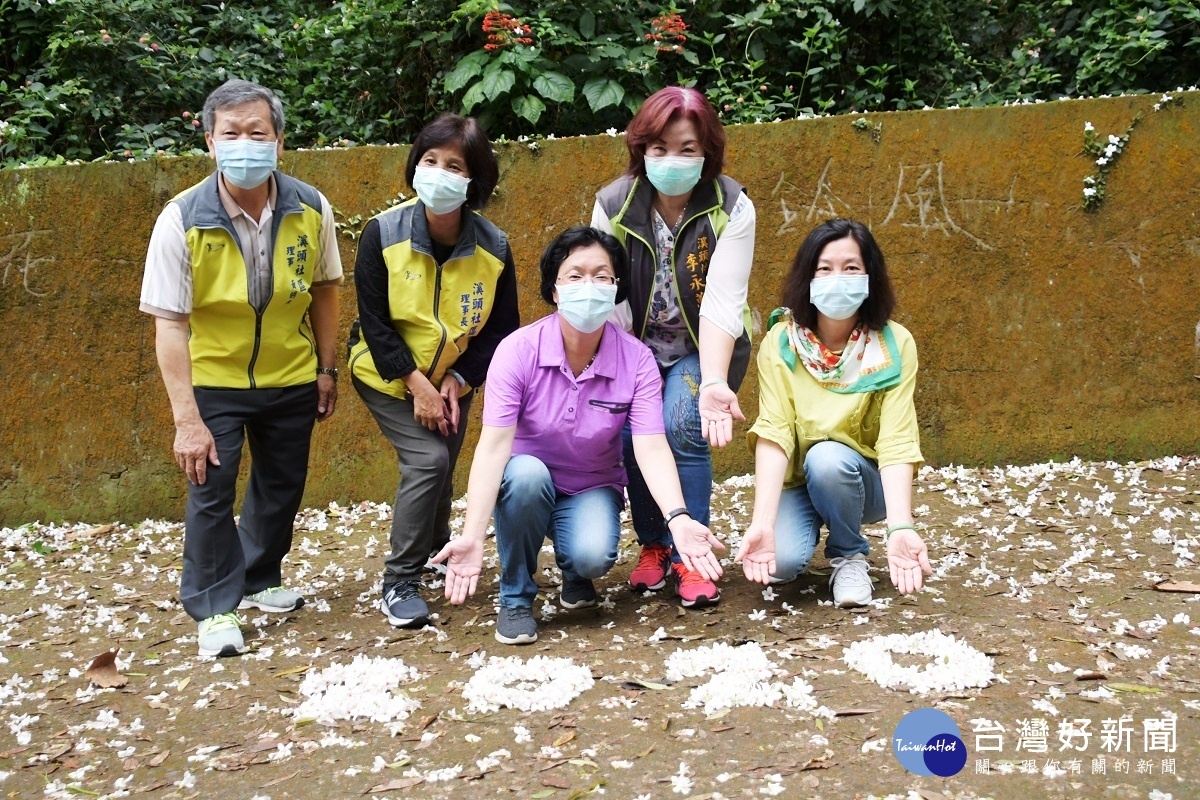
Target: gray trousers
column 421, row 513
column 222, row 562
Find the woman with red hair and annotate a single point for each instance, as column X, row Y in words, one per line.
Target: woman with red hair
column 689, row 233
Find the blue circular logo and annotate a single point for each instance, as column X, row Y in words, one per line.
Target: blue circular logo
column 927, row 742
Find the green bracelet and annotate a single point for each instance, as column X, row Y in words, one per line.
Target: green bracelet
column 895, row 528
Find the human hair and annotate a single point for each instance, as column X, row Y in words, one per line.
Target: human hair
column 571, row 240
column 237, row 92
column 468, row 134
column 876, row 310
column 659, row 110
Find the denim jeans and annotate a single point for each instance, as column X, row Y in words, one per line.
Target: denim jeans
column 681, row 418
column 843, row 491
column 584, row 529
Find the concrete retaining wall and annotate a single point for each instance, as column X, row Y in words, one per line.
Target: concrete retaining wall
column 1044, row 331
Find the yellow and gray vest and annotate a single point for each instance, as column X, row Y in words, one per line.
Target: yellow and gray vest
column 628, row 204
column 233, row 344
column 436, row 309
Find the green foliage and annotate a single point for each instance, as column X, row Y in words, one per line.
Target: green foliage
column 91, row 79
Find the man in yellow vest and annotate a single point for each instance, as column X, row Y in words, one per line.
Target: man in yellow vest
column 242, row 279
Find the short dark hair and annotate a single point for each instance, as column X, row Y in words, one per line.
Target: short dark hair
column 467, row 133
column 237, row 92
column 658, row 111
column 876, row 310
column 571, row 240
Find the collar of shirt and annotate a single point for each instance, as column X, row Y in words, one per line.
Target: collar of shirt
column 234, row 210
column 552, row 353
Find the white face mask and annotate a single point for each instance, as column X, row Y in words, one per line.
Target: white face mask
column 586, row 306
column 440, row 190
column 838, row 296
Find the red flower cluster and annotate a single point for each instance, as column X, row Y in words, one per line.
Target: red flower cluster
column 668, row 33
column 504, row 30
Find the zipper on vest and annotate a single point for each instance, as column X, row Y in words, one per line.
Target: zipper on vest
column 675, row 280
column 437, row 302
column 257, row 341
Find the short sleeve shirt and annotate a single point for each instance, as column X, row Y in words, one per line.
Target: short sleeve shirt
column 573, row 424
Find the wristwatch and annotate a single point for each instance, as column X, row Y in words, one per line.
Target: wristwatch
column 330, row 371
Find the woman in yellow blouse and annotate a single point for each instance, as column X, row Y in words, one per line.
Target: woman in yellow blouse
column 836, row 440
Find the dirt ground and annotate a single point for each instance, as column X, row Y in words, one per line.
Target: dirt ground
column 1049, row 569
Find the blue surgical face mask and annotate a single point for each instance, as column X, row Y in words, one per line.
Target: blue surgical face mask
column 586, row 306
column 674, row 175
column 246, row 163
column 838, row 296
column 440, row 190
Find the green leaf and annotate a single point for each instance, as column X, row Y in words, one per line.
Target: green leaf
column 473, row 97
column 544, row 793
column 587, row 25
column 528, row 107
column 603, row 92
column 466, row 69
column 496, row 83
column 1133, row 687
column 555, row 87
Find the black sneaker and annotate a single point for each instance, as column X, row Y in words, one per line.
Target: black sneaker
column 403, row 606
column 577, row 594
column 516, row 626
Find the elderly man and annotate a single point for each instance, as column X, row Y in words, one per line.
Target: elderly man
column 242, row 279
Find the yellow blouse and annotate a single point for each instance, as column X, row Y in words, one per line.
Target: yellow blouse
column 795, row 412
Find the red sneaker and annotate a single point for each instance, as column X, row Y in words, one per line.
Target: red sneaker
column 694, row 590
column 650, row 574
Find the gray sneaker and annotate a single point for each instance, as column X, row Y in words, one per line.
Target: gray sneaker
column 275, row 599
column 516, row 625
column 403, row 606
column 850, row 581
column 577, row 594
column 221, row 636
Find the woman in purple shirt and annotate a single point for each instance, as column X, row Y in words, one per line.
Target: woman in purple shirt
column 557, row 396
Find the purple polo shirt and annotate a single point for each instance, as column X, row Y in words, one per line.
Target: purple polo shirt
column 573, row 425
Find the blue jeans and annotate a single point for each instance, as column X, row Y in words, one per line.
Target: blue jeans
column 584, row 528
column 681, row 418
column 843, row 491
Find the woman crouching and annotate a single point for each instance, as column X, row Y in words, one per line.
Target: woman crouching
column 836, row 440
column 557, row 396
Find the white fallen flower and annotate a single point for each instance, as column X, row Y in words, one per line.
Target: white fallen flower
column 366, row 688
column 955, row 665
column 539, row 684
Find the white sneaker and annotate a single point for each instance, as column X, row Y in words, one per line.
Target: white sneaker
column 850, row 581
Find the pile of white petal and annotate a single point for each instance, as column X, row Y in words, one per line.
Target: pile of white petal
column 366, row 688
column 955, row 665
column 539, row 684
column 741, row 676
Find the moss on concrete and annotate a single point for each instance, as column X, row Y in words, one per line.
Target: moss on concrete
column 1044, row 330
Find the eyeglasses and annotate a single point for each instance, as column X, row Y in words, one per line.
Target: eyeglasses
column 575, row 279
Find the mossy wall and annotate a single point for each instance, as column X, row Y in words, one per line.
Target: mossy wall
column 1045, row 331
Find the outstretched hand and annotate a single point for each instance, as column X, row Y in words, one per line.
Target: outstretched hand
column 908, row 558
column 757, row 554
column 463, row 558
column 695, row 544
column 718, row 409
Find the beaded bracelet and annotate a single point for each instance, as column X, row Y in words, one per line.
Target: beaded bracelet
column 895, row 528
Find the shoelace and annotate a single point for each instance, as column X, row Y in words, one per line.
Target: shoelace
column 851, row 569
column 221, row 622
column 688, row 577
column 651, row 557
column 400, row 592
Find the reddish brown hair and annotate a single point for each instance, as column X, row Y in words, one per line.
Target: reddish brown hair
column 658, row 111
